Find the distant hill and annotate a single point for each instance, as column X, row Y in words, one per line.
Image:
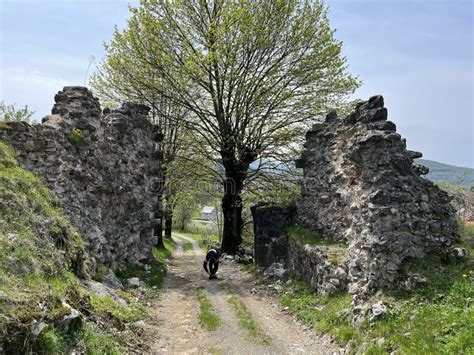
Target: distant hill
column 440, row 172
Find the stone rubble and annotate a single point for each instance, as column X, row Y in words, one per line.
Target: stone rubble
column 104, row 167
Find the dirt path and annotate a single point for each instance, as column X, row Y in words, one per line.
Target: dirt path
column 174, row 318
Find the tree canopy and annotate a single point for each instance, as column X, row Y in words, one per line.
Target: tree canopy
column 252, row 77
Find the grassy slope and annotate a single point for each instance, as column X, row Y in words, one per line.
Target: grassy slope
column 41, row 263
column 437, row 318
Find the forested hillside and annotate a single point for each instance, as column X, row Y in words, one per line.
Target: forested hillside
column 440, row 172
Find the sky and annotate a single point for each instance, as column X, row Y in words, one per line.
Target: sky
column 418, row 54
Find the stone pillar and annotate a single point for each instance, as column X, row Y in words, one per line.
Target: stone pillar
column 269, row 223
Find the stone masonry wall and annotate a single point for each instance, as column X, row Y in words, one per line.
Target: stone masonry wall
column 362, row 186
column 310, row 263
column 104, row 167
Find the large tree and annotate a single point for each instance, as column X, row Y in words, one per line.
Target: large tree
column 253, row 74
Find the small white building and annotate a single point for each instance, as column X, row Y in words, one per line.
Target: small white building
column 209, row 213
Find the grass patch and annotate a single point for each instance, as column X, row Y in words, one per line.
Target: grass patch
column 188, row 247
column 246, row 322
column 158, row 267
column 94, row 341
column 209, row 320
column 51, row 341
column 105, row 306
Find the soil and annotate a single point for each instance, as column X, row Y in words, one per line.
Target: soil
column 173, row 325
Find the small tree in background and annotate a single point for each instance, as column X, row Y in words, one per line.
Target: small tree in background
column 9, row 113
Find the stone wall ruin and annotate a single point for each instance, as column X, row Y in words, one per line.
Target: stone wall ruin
column 361, row 187
column 103, row 166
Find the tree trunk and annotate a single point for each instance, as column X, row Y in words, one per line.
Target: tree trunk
column 159, row 234
column 232, row 211
column 168, row 222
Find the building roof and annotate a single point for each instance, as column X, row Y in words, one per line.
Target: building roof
column 208, row 209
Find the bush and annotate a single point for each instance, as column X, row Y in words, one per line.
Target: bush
column 76, row 138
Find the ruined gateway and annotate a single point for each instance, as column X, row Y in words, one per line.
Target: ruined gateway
column 104, row 167
column 363, row 192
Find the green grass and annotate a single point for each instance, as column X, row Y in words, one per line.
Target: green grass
column 51, row 341
column 246, row 322
column 158, row 270
column 467, row 234
column 209, row 320
column 95, row 341
column 188, row 247
column 106, row 307
column 435, row 319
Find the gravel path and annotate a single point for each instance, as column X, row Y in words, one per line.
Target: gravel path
column 174, row 326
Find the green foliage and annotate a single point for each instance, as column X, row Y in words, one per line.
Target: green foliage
column 51, row 341
column 7, row 159
column 105, row 306
column 96, row 342
column 468, row 238
column 237, row 68
column 76, row 138
column 209, row 320
column 8, row 113
column 246, row 322
column 305, row 236
column 187, row 247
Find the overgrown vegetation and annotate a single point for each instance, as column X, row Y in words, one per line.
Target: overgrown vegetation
column 9, row 113
column 76, row 138
column 209, row 320
column 246, row 322
column 41, row 263
column 435, row 318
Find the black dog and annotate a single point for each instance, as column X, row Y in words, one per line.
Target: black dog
column 212, row 258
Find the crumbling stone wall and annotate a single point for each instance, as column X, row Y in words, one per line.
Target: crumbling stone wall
column 104, row 168
column 311, row 263
column 362, row 186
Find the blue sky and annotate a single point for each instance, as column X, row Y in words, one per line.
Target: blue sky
column 417, row 53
